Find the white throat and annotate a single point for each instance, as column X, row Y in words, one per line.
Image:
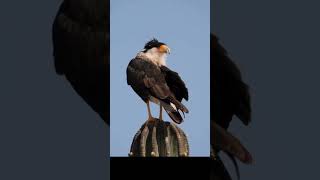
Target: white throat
column 155, row 56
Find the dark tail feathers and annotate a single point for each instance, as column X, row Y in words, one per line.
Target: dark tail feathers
column 172, row 112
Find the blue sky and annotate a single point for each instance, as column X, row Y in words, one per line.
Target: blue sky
column 184, row 25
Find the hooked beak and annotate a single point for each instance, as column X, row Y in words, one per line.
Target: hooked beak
column 164, row 49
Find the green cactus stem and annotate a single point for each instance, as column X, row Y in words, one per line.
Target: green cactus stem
column 159, row 139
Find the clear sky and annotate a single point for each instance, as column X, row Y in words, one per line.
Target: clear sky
column 184, row 25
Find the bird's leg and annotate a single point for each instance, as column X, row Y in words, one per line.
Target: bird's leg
column 150, row 118
column 160, row 114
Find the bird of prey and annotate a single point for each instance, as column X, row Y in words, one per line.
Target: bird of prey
column 153, row 81
column 230, row 97
column 80, row 36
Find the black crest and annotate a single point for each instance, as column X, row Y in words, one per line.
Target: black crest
column 153, row 43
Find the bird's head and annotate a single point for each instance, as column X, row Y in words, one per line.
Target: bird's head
column 156, row 46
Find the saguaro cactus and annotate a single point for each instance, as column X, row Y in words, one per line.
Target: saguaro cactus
column 159, row 138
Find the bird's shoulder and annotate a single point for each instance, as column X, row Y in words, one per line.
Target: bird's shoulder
column 141, row 64
column 140, row 69
column 168, row 73
column 175, row 82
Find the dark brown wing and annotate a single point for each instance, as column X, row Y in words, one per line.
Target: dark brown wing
column 81, row 50
column 175, row 83
column 230, row 95
column 146, row 79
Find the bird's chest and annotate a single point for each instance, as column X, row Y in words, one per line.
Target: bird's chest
column 159, row 60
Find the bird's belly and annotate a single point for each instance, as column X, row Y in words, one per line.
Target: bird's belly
column 154, row 100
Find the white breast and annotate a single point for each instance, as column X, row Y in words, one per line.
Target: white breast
column 154, row 56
